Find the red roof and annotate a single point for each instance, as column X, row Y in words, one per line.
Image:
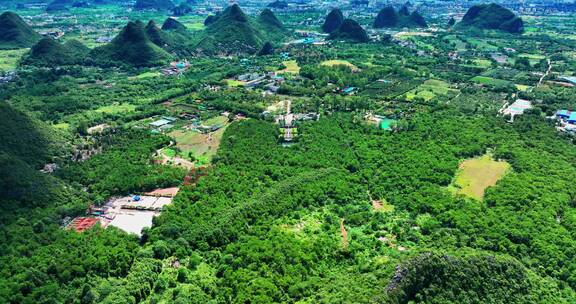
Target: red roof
column 82, row 223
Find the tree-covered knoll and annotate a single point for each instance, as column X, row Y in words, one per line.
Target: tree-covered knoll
column 234, row 32
column 49, row 52
column 333, row 21
column 492, row 16
column 350, row 31
column 131, row 46
column 15, row 33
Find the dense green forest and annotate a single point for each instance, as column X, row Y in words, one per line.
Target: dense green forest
column 369, row 200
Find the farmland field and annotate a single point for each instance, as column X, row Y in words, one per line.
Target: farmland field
column 291, row 67
column 9, row 58
column 116, row 108
column 477, row 174
column 430, row 89
column 234, row 83
column 490, row 81
column 202, row 146
column 332, row 63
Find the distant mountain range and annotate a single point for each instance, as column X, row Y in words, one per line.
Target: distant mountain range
column 154, row 4
column 388, row 17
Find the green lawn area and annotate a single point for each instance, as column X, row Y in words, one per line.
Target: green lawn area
column 216, row 120
column 169, row 152
column 481, row 45
column 116, row 108
column 195, row 26
column 291, row 67
column 477, row 174
column 234, row 83
column 532, row 56
column 459, row 45
column 62, row 126
column 9, row 58
column 202, row 146
column 490, row 81
column 147, row 75
column 483, row 62
column 332, row 63
column 522, row 87
column 430, row 89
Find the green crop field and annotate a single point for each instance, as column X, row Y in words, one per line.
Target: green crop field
column 490, row 81
column 430, row 89
column 291, row 67
column 9, row 58
column 116, row 108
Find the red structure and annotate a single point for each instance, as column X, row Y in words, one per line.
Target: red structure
column 194, row 175
column 82, row 223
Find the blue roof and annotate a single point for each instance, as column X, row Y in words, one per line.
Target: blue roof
column 563, row 113
column 572, row 116
column 571, row 79
column 350, row 89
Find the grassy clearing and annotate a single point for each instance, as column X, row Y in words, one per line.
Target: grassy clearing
column 169, row 152
column 485, row 63
column 382, row 206
column 458, row 44
column 202, row 146
column 308, row 224
column 482, row 45
column 332, row 63
column 147, row 75
column 522, row 87
column 62, row 126
column 216, row 120
column 532, row 56
column 292, row 67
column 117, row 108
column 430, row 89
column 407, row 35
column 477, row 174
column 9, row 58
column 490, row 81
column 234, row 83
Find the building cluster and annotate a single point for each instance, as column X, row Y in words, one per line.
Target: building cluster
column 176, row 68
column 270, row 82
column 566, row 121
column 163, row 124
